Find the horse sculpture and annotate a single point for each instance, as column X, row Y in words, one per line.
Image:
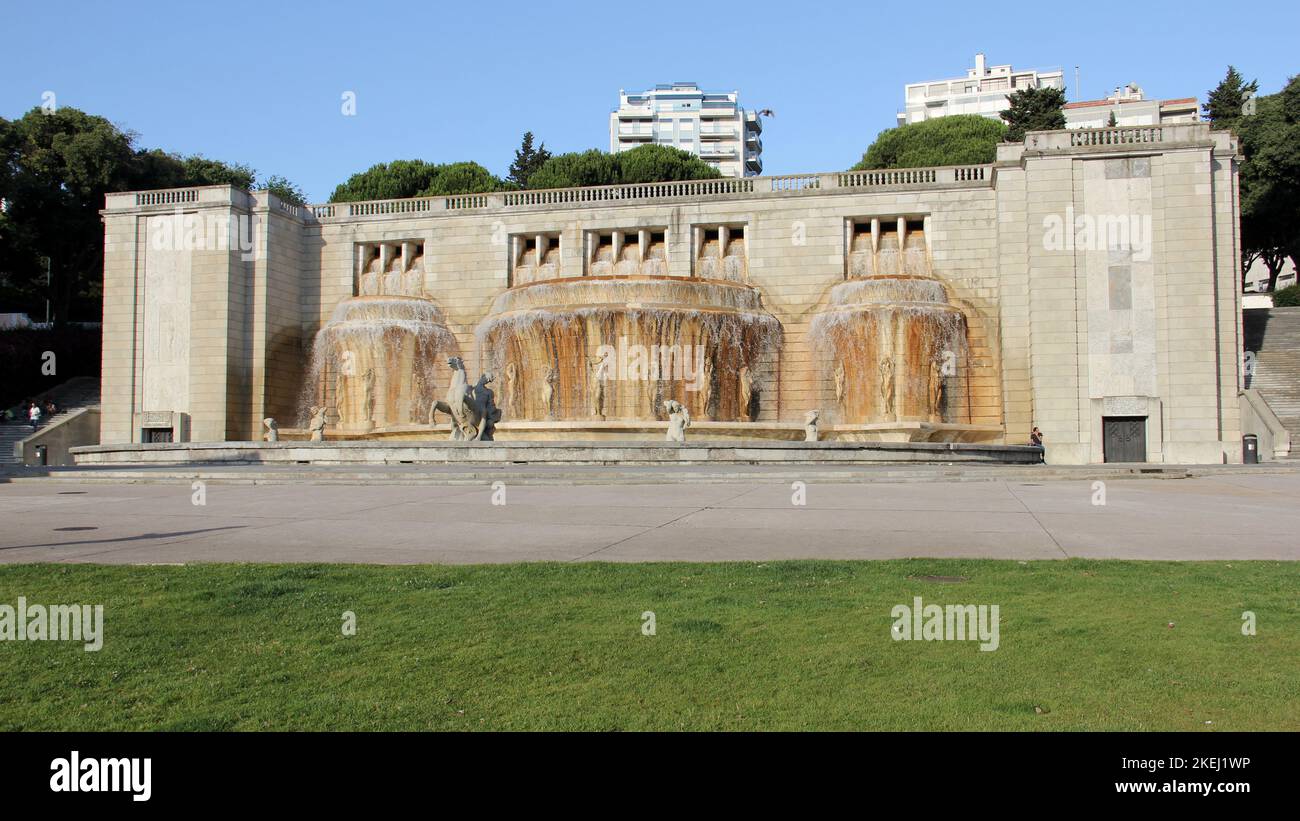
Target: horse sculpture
column 473, row 410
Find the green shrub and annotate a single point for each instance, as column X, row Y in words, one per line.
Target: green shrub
column 959, row 139
column 1287, row 297
column 401, row 179
column 646, row 163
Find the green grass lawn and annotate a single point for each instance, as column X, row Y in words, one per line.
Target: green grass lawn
column 777, row 646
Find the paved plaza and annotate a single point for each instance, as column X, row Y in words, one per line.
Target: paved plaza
column 1234, row 516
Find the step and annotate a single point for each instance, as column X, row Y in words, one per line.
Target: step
column 722, row 474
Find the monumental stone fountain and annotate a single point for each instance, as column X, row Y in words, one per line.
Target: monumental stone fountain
column 889, row 341
column 617, row 347
column 378, row 362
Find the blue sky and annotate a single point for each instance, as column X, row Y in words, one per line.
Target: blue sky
column 261, row 83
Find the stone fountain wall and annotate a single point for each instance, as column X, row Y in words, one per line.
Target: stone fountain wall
column 1042, row 342
column 482, row 269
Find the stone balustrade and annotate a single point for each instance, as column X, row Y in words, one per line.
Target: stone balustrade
column 727, row 187
column 1118, row 137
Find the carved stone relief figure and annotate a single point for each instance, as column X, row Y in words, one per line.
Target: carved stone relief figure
column 887, row 385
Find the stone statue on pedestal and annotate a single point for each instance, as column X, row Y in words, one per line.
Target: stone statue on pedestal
column 810, row 425
column 486, row 399
column 679, row 419
column 473, row 411
column 317, row 425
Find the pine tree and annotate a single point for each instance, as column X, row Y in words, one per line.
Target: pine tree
column 1112, row 122
column 1223, row 104
column 527, row 161
column 1034, row 109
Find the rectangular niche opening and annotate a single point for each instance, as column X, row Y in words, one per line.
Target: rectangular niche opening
column 721, row 253
column 535, row 257
column 628, row 252
column 602, row 258
column 654, row 259
column 887, row 246
column 389, row 268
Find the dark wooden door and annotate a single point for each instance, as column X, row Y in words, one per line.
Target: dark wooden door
column 1124, row 438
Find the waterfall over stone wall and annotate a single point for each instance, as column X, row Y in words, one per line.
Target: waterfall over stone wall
column 379, row 362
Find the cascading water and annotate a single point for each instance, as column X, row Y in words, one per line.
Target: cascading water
column 379, row 362
column 729, row 267
column 892, row 347
column 395, row 281
column 615, row 348
column 529, row 272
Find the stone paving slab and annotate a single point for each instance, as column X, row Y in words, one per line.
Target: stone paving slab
column 1231, row 516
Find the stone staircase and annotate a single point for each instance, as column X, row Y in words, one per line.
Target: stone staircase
column 71, row 396
column 1273, row 334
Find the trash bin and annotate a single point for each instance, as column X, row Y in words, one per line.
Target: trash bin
column 40, row 454
column 1250, row 449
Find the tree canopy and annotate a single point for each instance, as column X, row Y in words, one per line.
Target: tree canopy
column 55, row 168
column 661, row 163
column 646, row 163
column 1269, row 178
column 960, row 139
column 527, row 161
column 416, row 178
column 1224, row 103
column 1033, row 109
column 400, row 179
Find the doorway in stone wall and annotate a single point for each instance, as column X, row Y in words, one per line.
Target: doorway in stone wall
column 1124, row 438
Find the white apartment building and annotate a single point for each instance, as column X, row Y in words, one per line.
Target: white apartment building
column 982, row 91
column 1130, row 106
column 711, row 125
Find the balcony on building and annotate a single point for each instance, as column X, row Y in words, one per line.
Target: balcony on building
column 713, row 112
column 716, row 132
column 717, row 151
